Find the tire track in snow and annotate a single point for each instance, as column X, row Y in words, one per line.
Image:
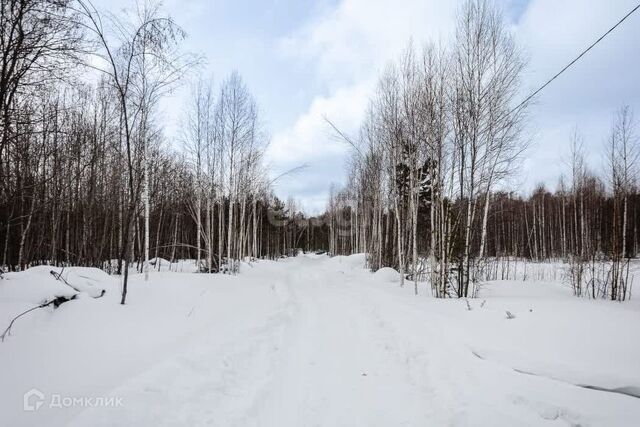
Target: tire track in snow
column 339, row 352
column 338, row 368
column 210, row 382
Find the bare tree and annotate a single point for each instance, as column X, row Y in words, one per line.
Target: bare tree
column 622, row 158
column 150, row 39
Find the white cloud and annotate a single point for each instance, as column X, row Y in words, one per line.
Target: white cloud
column 311, row 142
column 348, row 47
column 310, row 135
column 588, row 93
column 358, row 36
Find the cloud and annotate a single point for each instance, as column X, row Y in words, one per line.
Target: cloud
column 587, row 94
column 310, row 141
column 358, row 36
column 347, row 47
column 310, row 135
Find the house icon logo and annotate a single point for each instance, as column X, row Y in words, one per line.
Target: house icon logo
column 33, row 400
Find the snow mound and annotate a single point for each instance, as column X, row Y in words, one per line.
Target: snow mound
column 387, row 274
column 352, row 261
column 91, row 281
column 33, row 286
column 37, row 284
column 159, row 262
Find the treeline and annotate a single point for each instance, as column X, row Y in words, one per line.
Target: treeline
column 88, row 177
column 441, row 136
column 234, row 212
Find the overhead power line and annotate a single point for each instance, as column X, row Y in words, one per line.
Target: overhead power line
column 576, row 59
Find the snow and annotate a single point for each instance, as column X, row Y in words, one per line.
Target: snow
column 523, row 289
column 37, row 284
column 182, row 266
column 314, row 340
column 387, row 274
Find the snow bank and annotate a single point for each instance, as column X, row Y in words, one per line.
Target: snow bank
column 88, row 347
column 21, row 291
column 33, row 286
column 37, row 285
column 355, row 261
column 159, row 263
column 555, row 335
column 387, row 274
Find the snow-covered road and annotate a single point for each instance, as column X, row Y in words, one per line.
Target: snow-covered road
column 314, row 341
column 325, row 356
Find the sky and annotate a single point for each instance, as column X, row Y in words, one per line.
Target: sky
column 304, row 60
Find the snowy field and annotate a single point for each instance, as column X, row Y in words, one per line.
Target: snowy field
column 312, row 341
